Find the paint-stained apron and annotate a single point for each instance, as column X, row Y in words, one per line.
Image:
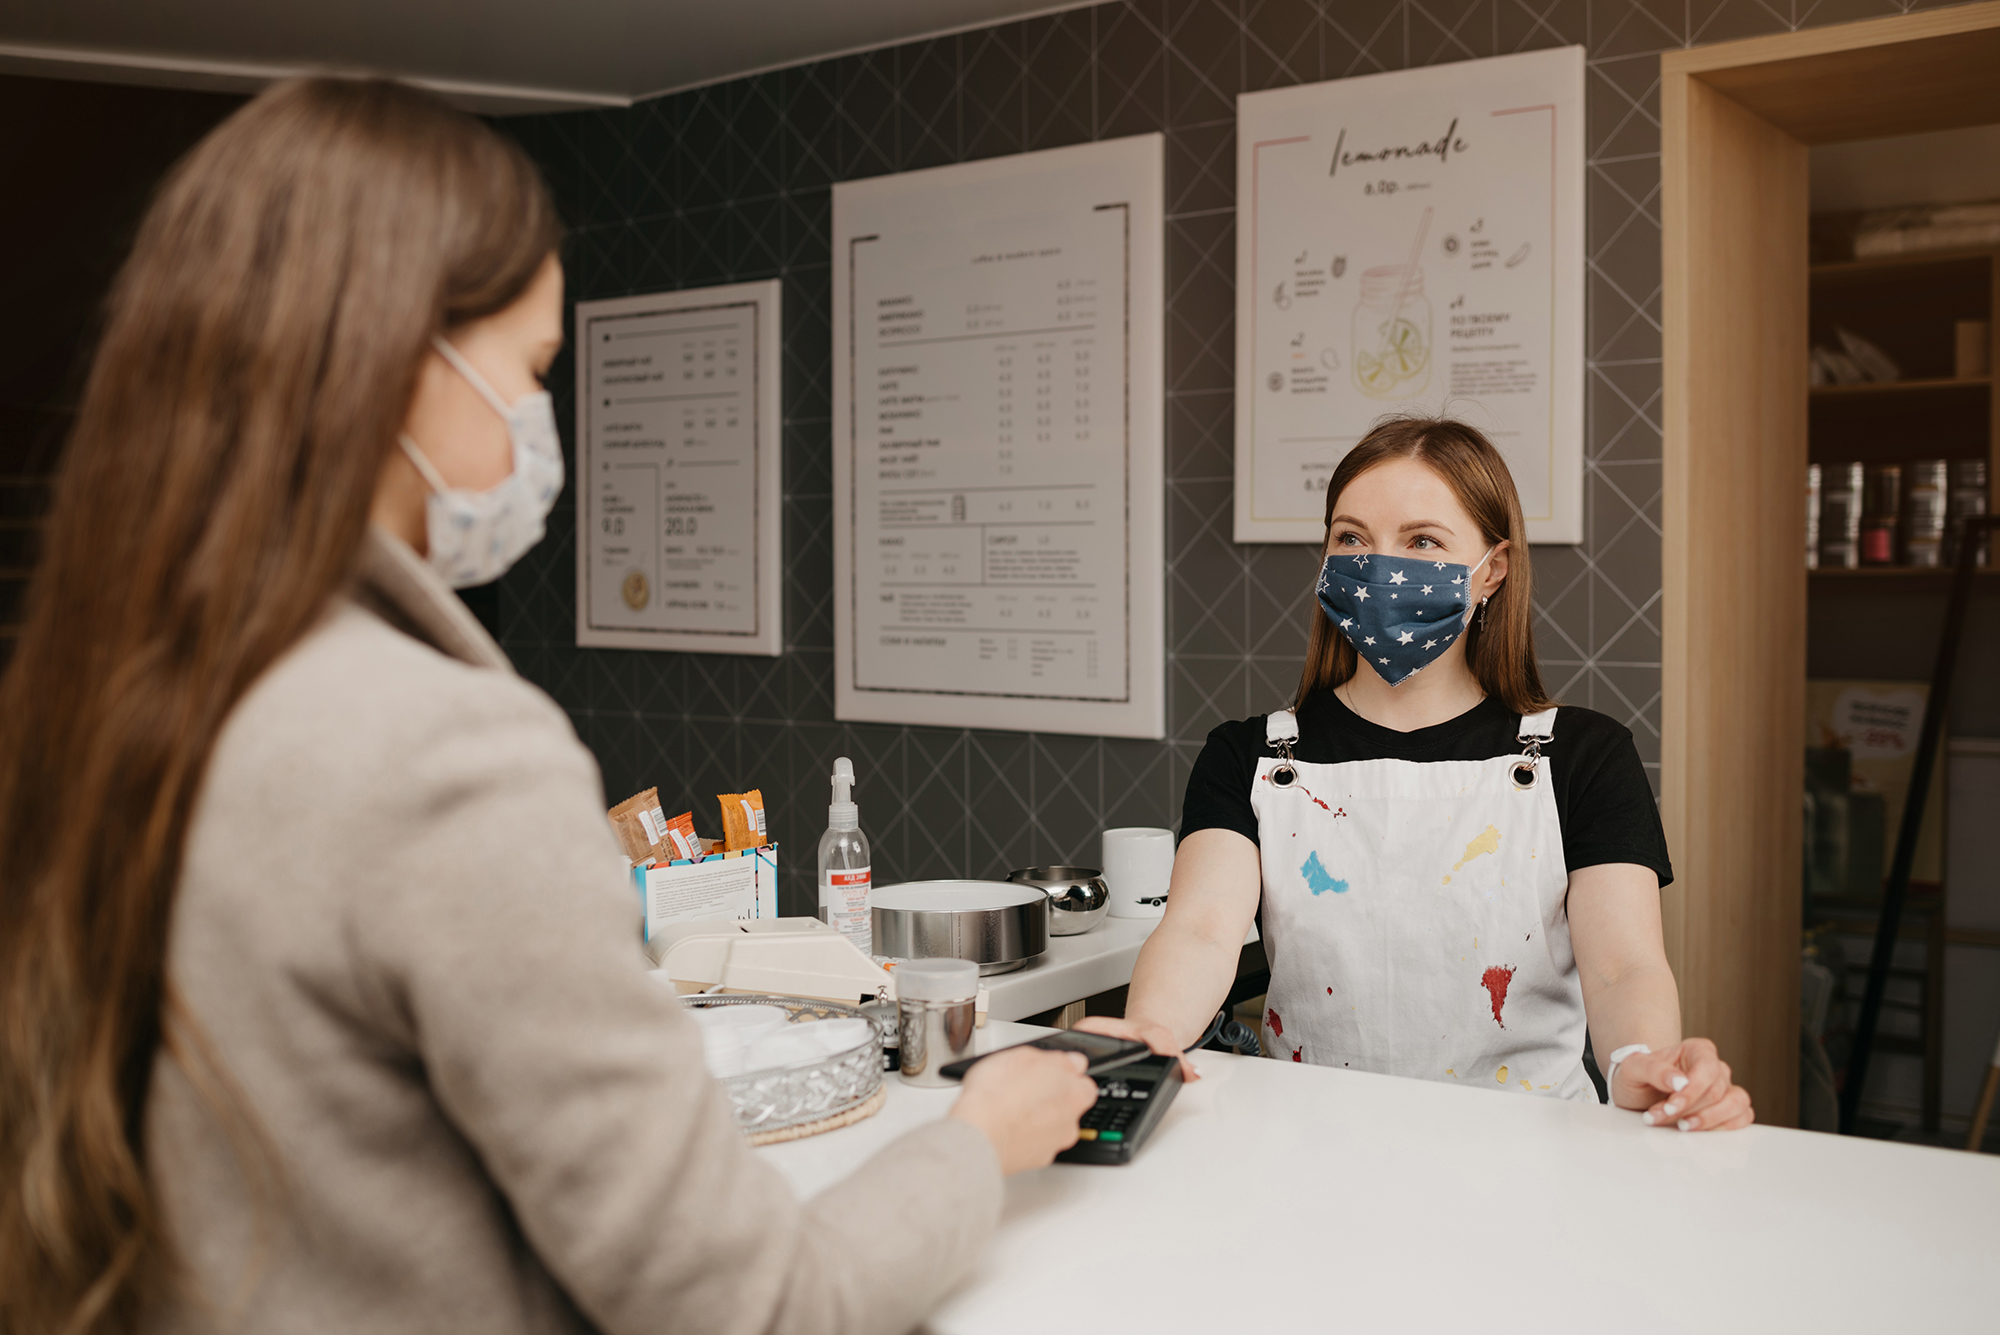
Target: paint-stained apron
column 1414, row 918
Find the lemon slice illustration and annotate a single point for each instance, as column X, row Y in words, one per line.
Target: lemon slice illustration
column 1404, row 352
column 636, row 590
column 1371, row 374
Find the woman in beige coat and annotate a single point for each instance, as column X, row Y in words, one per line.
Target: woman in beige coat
column 319, row 1002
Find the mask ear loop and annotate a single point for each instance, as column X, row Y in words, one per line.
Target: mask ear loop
column 472, row 376
column 432, row 478
column 1479, row 619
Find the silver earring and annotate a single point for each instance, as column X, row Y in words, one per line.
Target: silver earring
column 1482, row 610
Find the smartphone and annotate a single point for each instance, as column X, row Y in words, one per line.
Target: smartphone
column 1104, row 1052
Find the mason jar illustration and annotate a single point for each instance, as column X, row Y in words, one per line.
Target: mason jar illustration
column 1391, row 331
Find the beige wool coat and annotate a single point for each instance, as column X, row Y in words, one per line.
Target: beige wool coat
column 404, row 929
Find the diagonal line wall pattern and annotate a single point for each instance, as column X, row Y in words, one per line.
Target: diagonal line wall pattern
column 730, row 183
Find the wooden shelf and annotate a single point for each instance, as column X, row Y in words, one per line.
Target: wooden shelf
column 1911, row 578
column 1898, row 387
column 1904, row 260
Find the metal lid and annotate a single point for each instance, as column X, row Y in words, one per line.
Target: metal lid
column 937, row 980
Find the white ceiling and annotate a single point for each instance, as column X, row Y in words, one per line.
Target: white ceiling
column 491, row 55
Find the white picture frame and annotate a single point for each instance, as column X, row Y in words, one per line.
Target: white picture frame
column 679, row 436
column 1411, row 241
column 953, row 607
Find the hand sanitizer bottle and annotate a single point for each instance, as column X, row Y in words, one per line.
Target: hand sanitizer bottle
column 843, row 864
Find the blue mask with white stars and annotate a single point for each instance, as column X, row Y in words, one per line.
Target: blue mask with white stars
column 1399, row 613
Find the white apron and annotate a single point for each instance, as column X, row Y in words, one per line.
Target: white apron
column 1413, row 913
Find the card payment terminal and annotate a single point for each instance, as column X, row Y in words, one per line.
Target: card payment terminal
column 1131, row 1100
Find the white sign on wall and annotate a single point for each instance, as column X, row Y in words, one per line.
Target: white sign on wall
column 677, row 460
column 998, row 557
column 1411, row 241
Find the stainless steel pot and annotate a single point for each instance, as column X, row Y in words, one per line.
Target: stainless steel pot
column 997, row 925
column 1078, row 896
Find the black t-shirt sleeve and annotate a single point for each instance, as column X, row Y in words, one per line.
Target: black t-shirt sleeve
column 1604, row 799
column 1218, row 791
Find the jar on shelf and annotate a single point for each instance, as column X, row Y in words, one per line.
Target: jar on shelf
column 1840, row 516
column 1968, row 498
column 1924, row 494
column 1390, row 349
column 1881, row 513
column 1812, row 516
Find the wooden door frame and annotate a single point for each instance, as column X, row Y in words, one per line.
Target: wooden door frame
column 1736, row 120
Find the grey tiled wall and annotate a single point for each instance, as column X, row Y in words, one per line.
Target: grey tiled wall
column 730, row 182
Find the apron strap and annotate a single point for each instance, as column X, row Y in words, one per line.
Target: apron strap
column 1281, row 729
column 1538, row 727
column 1535, row 729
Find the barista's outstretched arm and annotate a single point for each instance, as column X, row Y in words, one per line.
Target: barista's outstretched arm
column 1188, row 964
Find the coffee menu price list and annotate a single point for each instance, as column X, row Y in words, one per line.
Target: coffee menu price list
column 990, row 529
column 677, row 511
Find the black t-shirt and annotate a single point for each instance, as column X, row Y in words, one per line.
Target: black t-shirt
column 1603, row 801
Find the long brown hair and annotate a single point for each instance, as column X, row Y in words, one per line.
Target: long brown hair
column 261, row 347
column 1500, row 643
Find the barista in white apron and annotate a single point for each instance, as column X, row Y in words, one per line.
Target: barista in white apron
column 1414, row 916
column 1454, row 879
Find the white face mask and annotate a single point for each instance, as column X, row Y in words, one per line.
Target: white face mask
column 475, row 536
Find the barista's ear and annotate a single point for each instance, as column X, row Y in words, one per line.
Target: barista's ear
column 1494, row 572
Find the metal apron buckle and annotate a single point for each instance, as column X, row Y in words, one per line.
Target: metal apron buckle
column 1527, row 770
column 1280, row 735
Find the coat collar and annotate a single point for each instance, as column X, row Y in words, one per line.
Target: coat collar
column 399, row 586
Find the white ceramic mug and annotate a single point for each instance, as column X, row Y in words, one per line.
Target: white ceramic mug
column 1138, row 866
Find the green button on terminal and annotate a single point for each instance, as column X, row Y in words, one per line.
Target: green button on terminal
column 1111, row 1135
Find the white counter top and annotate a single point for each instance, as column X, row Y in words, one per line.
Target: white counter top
column 1279, row 1198
column 1073, row 967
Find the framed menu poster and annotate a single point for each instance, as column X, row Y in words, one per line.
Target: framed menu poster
column 1411, row 241
column 998, row 493
column 678, row 518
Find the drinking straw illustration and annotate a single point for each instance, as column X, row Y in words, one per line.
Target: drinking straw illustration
column 1403, row 288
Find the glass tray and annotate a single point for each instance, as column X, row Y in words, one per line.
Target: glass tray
column 809, row 1091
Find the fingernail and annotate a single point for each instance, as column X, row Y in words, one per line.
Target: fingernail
column 1685, row 1124
column 1679, row 1082
column 1647, row 1118
column 1671, row 1109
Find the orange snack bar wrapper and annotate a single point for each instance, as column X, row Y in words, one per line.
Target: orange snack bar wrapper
column 680, row 836
column 742, row 820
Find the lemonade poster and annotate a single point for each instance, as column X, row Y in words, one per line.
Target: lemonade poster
column 1411, row 242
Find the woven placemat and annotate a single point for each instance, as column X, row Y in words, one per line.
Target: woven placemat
column 868, row 1107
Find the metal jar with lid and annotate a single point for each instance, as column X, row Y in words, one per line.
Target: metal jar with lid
column 1925, row 490
column 936, row 1015
column 1968, row 499
column 1881, row 514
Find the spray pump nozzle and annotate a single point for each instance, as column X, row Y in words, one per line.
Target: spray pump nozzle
column 842, row 814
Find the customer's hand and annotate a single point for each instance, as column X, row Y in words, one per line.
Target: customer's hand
column 1154, row 1035
column 1686, row 1086
column 1027, row 1101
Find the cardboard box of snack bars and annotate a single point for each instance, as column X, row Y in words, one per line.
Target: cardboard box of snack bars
column 723, row 886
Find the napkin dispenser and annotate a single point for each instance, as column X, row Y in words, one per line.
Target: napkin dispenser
column 791, row 957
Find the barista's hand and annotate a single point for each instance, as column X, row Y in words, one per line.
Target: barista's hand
column 1027, row 1101
column 1686, row 1085
column 1154, row 1035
